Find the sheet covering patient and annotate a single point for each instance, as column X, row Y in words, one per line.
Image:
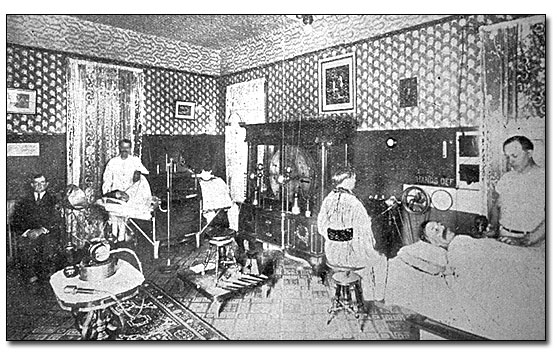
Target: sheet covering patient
column 482, row 286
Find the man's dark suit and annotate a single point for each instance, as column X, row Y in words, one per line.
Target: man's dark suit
column 37, row 255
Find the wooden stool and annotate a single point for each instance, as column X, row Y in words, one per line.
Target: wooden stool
column 251, row 266
column 222, row 247
column 348, row 293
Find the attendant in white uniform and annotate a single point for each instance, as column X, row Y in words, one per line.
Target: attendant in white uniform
column 119, row 172
column 124, row 173
column 518, row 215
column 216, row 196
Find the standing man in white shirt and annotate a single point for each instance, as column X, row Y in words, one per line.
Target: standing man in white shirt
column 518, row 216
column 122, row 169
column 120, row 174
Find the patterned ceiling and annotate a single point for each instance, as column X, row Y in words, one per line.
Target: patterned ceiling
column 211, row 31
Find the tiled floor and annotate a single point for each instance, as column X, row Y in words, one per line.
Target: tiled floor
column 296, row 308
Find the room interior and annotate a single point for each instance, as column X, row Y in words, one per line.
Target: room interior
column 428, row 103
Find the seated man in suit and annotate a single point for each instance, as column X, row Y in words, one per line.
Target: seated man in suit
column 38, row 225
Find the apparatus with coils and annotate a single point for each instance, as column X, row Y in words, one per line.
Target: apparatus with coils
column 290, row 165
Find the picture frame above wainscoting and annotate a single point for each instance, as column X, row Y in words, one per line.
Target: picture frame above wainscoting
column 21, row 101
column 337, row 84
column 185, row 110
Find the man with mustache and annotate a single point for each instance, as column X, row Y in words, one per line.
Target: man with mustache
column 518, row 215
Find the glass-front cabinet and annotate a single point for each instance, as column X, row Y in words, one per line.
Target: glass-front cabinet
column 289, row 169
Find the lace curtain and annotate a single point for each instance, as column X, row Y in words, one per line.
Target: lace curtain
column 513, row 70
column 245, row 103
column 105, row 104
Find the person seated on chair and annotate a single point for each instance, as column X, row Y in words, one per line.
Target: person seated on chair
column 349, row 242
column 216, row 196
column 123, row 179
column 38, row 224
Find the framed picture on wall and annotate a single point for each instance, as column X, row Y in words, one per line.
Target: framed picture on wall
column 336, row 84
column 21, row 101
column 185, row 110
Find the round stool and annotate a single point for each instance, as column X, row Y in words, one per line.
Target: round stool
column 224, row 257
column 348, row 293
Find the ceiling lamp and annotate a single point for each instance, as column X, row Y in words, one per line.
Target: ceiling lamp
column 307, row 20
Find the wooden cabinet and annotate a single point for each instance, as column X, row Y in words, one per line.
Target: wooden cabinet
column 287, row 163
column 296, row 234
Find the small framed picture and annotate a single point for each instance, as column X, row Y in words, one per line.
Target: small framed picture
column 21, row 101
column 336, row 84
column 185, row 110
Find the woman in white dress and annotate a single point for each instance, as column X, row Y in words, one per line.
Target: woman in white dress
column 344, row 223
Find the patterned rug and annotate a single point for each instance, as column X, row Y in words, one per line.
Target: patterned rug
column 161, row 317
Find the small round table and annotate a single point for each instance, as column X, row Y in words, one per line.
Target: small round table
column 93, row 303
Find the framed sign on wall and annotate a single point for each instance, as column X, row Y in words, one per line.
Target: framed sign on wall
column 337, row 84
column 21, row 101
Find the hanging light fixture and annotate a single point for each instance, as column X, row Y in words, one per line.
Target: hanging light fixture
column 307, row 20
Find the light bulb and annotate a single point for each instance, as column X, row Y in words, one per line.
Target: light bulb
column 391, row 142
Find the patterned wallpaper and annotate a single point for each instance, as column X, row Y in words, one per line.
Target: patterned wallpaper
column 327, row 31
column 444, row 57
column 164, row 87
column 71, row 35
column 44, row 72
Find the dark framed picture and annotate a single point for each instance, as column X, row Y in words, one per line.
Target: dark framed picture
column 185, row 110
column 21, row 101
column 408, row 92
column 336, row 84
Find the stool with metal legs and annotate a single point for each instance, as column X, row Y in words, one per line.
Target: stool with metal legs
column 348, row 293
column 224, row 254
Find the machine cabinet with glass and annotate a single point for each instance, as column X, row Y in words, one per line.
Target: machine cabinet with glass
column 289, row 170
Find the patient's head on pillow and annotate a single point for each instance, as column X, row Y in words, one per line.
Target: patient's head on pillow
column 437, row 234
column 480, row 226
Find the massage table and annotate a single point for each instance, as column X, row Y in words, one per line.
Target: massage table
column 131, row 212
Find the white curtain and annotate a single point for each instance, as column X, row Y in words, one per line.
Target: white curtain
column 245, row 103
column 105, row 104
column 513, row 74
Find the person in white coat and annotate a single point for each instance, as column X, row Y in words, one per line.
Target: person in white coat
column 123, row 179
column 349, row 242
